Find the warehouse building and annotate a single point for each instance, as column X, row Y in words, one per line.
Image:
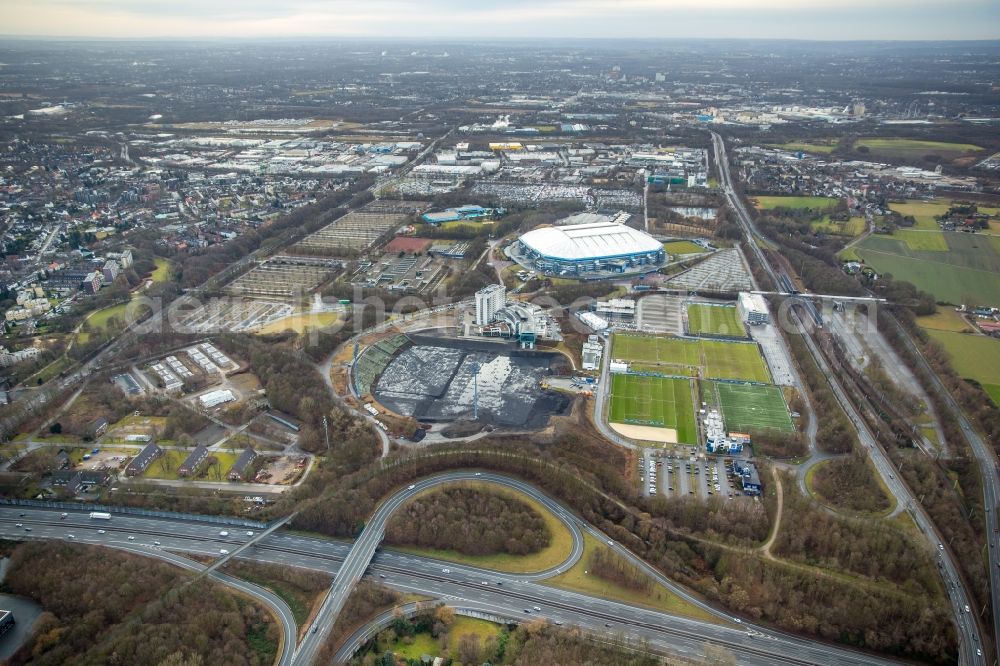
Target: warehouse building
column 593, row 250
column 216, row 398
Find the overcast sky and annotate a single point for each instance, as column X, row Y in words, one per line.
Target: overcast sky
column 484, row 19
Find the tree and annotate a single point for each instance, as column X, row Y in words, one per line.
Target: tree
column 468, row 649
column 55, row 428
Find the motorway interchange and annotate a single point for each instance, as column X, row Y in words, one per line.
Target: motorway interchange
column 512, row 596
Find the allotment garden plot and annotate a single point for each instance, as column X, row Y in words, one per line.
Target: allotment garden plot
column 747, row 407
column 654, row 408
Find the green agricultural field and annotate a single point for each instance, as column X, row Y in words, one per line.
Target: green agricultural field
column 994, row 392
column 894, row 148
column 975, row 357
column 714, row 320
column 683, row 247
column 654, row 401
column 919, row 239
column 814, row 203
column 807, row 147
column 715, row 359
column 969, row 271
column 924, row 212
column 747, row 408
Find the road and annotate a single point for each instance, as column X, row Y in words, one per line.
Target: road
column 967, row 626
column 507, row 595
column 363, row 550
column 275, row 603
column 988, row 467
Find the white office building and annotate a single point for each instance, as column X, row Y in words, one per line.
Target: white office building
column 489, row 302
column 592, row 351
column 753, row 308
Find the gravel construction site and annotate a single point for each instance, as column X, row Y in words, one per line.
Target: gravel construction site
column 435, row 380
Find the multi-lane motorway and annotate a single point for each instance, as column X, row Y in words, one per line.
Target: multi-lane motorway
column 968, row 629
column 506, row 595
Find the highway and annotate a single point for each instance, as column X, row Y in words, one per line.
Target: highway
column 988, row 467
column 507, row 595
column 968, row 629
column 361, row 554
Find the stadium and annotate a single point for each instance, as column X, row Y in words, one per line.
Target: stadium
column 590, row 251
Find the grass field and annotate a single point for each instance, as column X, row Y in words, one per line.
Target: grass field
column 424, row 643
column 714, row 320
column 852, row 227
column 716, row 359
column 945, row 319
column 748, row 408
column 655, row 401
column 578, row 580
column 558, row 550
column 918, row 239
column 924, row 212
column 815, row 203
column 807, row 147
column 895, row 148
column 994, row 391
column 683, row 247
column 300, row 323
column 101, row 318
column 968, row 271
column 973, row 356
column 162, row 271
column 165, row 467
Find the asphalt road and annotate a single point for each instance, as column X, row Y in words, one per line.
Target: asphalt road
column 966, row 624
column 507, row 595
column 361, row 554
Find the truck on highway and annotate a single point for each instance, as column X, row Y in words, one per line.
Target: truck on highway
column 100, row 515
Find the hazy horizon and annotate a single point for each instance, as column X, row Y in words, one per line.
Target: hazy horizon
column 808, row 20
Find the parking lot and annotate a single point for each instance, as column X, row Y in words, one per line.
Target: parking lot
column 660, row 313
column 775, row 352
column 723, row 271
column 687, row 475
column 283, row 277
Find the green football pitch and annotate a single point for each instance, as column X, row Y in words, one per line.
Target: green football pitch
column 714, row 320
column 654, row 401
column 747, row 408
column 714, row 359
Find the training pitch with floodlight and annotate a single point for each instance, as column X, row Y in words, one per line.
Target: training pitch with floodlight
column 706, row 319
column 654, row 402
column 709, row 359
column 747, row 407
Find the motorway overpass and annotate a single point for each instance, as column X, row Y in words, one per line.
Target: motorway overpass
column 506, row 595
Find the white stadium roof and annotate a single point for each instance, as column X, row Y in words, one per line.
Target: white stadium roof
column 598, row 240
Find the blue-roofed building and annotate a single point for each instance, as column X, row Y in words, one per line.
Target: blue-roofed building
column 462, row 213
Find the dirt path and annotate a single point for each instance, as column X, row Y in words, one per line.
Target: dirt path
column 766, row 548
